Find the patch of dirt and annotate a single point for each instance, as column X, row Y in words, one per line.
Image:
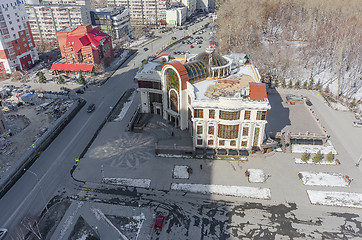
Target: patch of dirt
column 26, row 125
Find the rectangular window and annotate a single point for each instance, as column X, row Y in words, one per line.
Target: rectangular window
column 227, row 115
column 233, row 143
column 212, row 113
column 228, row 131
column 210, row 142
column 211, row 130
column 199, row 141
column 245, row 131
column 247, row 115
column 199, row 129
column 244, row 143
column 198, row 113
column 261, row 115
column 222, row 142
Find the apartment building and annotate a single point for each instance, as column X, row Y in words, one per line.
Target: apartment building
column 144, row 12
column 46, row 17
column 82, row 48
column 17, row 49
column 113, row 21
column 219, row 99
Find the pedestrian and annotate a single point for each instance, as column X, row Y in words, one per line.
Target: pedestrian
column 201, row 166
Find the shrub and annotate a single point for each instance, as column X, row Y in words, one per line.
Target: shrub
column 283, row 83
column 318, row 157
column 290, row 84
column 297, row 84
column 42, row 78
column 305, row 157
column 61, row 80
column 330, row 157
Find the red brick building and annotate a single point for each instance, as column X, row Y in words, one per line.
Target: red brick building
column 81, row 49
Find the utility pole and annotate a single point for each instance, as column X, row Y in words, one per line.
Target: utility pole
column 41, row 189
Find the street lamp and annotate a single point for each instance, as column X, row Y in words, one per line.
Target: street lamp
column 41, row 189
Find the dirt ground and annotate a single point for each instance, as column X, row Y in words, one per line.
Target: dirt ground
column 27, row 125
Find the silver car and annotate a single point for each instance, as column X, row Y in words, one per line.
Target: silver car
column 357, row 124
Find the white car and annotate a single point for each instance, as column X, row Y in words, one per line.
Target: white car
column 357, row 124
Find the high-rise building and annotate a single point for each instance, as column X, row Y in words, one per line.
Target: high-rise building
column 113, row 21
column 17, row 49
column 46, row 17
column 144, row 12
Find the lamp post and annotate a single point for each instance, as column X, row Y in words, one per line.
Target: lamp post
column 41, row 189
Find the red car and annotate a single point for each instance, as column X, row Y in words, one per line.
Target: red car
column 192, row 46
column 159, row 222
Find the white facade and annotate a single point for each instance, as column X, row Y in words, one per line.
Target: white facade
column 48, row 17
column 176, row 16
column 144, row 12
column 17, row 50
column 220, row 100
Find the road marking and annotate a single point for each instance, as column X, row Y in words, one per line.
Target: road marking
column 51, row 166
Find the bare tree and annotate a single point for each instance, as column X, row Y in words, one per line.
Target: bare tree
column 31, row 224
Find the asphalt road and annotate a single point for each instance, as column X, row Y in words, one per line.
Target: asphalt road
column 28, row 196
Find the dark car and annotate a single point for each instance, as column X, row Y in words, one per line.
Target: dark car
column 146, row 49
column 91, row 108
column 159, row 222
column 80, row 91
column 173, row 38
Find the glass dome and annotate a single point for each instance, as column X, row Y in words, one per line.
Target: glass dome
column 216, row 59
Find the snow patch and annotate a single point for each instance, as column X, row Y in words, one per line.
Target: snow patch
column 145, row 183
column 256, row 175
column 340, row 199
column 236, row 191
column 173, row 155
column 125, row 108
column 310, row 161
column 299, row 148
column 180, row 172
column 324, row 179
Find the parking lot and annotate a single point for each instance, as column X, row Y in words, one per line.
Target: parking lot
column 290, row 118
column 194, row 44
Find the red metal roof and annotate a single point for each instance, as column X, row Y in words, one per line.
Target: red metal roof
column 72, row 67
column 93, row 38
column 257, row 91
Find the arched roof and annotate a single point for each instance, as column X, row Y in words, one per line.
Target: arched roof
column 180, row 68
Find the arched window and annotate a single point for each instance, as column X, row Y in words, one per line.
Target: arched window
column 173, row 100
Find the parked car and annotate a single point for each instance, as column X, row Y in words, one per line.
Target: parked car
column 357, row 124
column 91, row 108
column 159, row 222
column 192, row 46
column 3, row 232
column 80, row 91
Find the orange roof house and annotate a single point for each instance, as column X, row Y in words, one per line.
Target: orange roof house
column 81, row 48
